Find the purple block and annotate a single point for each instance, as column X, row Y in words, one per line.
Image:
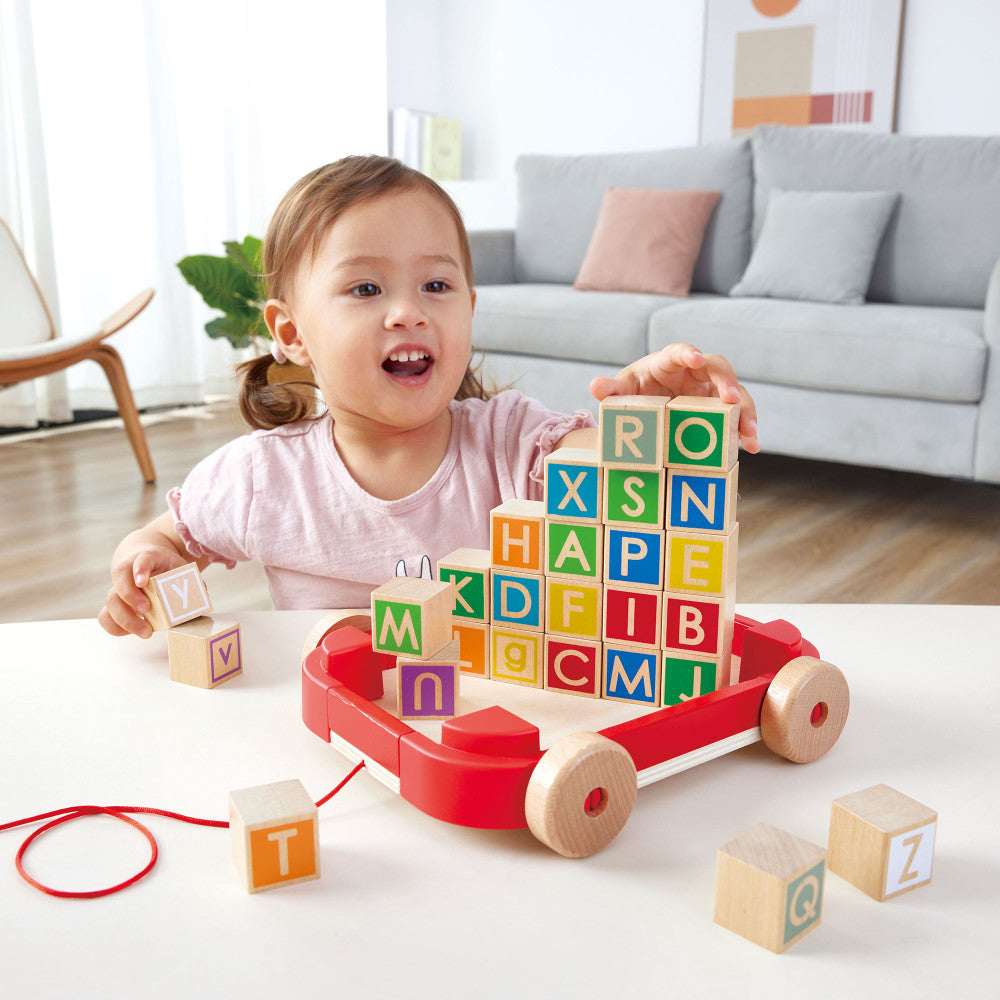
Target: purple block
column 224, row 655
column 428, row 690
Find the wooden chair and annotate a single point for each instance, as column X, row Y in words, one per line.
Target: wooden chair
column 40, row 352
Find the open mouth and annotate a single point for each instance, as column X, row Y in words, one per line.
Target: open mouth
column 407, row 364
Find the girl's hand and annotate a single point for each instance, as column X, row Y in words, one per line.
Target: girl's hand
column 126, row 604
column 682, row 370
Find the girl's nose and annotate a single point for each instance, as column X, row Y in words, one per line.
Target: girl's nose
column 405, row 314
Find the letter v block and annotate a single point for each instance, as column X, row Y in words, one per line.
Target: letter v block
column 205, row 652
column 176, row 596
column 412, row 617
column 274, row 832
column 630, row 432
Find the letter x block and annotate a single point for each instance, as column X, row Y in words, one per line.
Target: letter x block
column 274, row 832
column 176, row 596
column 205, row 652
column 412, row 617
column 769, row 886
column 573, row 485
column 882, row 841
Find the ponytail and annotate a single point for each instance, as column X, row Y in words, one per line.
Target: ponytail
column 270, row 396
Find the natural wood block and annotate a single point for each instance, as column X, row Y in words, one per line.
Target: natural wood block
column 769, row 886
column 274, row 832
column 634, row 557
column 469, row 571
column 702, row 433
column 882, row 841
column 631, row 431
column 428, row 688
column 332, row 620
column 516, row 656
column 205, row 652
column 634, row 497
column 411, row 616
column 632, row 616
column 574, row 551
column 516, row 535
column 690, row 675
column 702, row 501
column 474, row 647
column 696, row 624
column 573, row 485
column 702, row 562
column 573, row 666
column 574, row 608
column 176, row 596
column 518, row 599
column 631, row 674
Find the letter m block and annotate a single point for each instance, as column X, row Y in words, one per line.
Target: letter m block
column 411, row 617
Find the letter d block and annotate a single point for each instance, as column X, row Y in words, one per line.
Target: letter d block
column 412, row 617
column 176, row 596
column 882, row 841
column 769, row 886
column 205, row 652
column 274, row 832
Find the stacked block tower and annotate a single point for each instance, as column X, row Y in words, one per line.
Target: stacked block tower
column 620, row 584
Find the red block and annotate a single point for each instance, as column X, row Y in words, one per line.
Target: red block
column 632, row 616
column 493, row 731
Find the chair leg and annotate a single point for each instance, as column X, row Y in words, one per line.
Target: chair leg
column 110, row 360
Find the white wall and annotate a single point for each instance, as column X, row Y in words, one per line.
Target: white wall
column 544, row 76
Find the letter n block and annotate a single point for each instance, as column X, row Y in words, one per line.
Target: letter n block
column 274, row 832
column 428, row 689
column 517, row 536
column 702, row 433
column 573, row 666
column 702, row 501
column 176, row 596
column 516, row 656
column 630, row 432
column 573, row 485
column 769, row 886
column 411, row 617
column 205, row 652
column 882, row 841
column 631, row 674
column 469, row 571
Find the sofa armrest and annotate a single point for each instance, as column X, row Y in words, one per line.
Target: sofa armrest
column 987, row 459
column 492, row 256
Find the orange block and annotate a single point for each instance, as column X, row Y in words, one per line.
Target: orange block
column 516, row 535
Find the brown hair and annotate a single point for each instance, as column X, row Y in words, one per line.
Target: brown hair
column 298, row 227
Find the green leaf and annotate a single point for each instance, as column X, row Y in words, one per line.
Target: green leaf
column 247, row 254
column 222, row 283
column 238, row 328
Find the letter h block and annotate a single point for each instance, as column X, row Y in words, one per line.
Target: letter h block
column 274, row 832
column 412, row 617
column 517, row 536
column 176, row 596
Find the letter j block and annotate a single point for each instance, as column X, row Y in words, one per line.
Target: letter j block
column 274, row 834
column 411, row 617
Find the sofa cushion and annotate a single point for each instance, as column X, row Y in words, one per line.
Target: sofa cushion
column 559, row 198
column 880, row 349
column 817, row 245
column 944, row 237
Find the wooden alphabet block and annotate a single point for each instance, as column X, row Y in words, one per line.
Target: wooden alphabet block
column 205, row 652
column 411, row 616
column 573, row 485
column 274, row 832
column 632, row 616
column 769, row 886
column 690, row 675
column 469, row 571
column 634, row 497
column 518, row 599
column 428, row 688
column 631, row 674
column 700, row 625
column 634, row 557
column 573, row 666
column 516, row 535
column 702, row 501
column 516, row 656
column 702, row 562
column 882, row 841
column 631, row 432
column 176, row 596
column 574, row 608
column 573, row 551
column 474, row 647
column 702, row 433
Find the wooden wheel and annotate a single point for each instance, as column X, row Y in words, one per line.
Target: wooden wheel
column 805, row 709
column 357, row 617
column 580, row 794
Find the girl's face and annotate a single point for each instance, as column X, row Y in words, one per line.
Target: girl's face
column 383, row 314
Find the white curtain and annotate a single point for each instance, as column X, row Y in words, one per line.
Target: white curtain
column 163, row 129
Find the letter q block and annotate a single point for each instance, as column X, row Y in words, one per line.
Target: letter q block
column 882, row 841
column 274, row 832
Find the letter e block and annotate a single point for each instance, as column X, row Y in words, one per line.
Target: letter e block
column 274, row 832
column 412, row 617
column 469, row 571
column 428, row 689
column 769, row 886
column 702, row 562
column 573, row 485
column 882, row 841
column 630, row 432
column 702, row 433
column 176, row 596
column 205, row 652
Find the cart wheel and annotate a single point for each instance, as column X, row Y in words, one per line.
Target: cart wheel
column 580, row 794
column 357, row 617
column 805, row 709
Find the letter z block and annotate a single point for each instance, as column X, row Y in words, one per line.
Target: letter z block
column 176, row 596
column 205, row 652
column 412, row 617
column 428, row 689
column 769, row 886
column 631, row 432
column 882, row 841
column 573, row 485
column 274, row 832
column 469, row 571
column 702, row 433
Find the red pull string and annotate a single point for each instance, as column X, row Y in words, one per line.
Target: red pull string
column 121, row 813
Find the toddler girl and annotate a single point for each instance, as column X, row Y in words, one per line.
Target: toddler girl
column 368, row 274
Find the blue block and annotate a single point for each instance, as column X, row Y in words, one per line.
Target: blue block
column 631, row 675
column 517, row 600
column 572, row 490
column 634, row 557
column 697, row 502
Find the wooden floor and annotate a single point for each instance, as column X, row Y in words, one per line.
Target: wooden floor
column 809, row 531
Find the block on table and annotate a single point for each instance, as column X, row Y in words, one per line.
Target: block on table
column 205, row 652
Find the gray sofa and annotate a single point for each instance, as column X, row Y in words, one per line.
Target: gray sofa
column 909, row 380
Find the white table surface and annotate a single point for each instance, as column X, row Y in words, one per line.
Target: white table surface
column 409, row 906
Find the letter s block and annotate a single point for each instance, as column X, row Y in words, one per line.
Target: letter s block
column 274, row 833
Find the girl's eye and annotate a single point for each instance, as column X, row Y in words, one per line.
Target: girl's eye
column 436, row 286
column 365, row 290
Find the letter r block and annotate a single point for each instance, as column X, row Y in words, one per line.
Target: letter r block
column 274, row 833
column 630, row 432
column 175, row 597
column 412, row 617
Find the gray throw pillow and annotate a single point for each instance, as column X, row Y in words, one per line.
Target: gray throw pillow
column 817, row 245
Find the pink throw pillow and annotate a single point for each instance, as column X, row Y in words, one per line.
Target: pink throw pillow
column 646, row 241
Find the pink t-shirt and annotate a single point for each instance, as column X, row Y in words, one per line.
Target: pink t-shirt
column 285, row 499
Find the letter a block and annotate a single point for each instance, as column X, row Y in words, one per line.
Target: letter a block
column 274, row 832
column 205, row 652
column 702, row 433
column 769, row 886
column 176, row 596
column 882, row 841
column 428, row 689
column 630, row 432
column 411, row 617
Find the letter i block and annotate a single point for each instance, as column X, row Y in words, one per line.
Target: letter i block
column 631, row 432
column 634, row 497
column 274, row 832
column 573, row 485
column 516, row 656
column 574, row 609
column 573, row 666
column 411, row 617
column 769, row 886
column 474, row 647
column 518, row 600
column 517, row 536
column 632, row 616
column 701, row 562
column 631, row 674
column 634, row 557
column 205, row 652
column 469, row 571
column 573, row 551
column 702, row 501
column 702, row 433
column 428, row 688
column 689, row 675
column 176, row 596
column 882, row 841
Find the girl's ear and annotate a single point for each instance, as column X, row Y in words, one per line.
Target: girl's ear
column 281, row 323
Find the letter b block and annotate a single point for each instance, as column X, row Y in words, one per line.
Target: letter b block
column 412, row 617
column 274, row 834
column 769, row 886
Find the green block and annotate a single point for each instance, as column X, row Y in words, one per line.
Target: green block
column 804, row 902
column 470, row 592
column 635, row 497
column 572, row 550
column 695, row 438
column 684, row 679
column 398, row 627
